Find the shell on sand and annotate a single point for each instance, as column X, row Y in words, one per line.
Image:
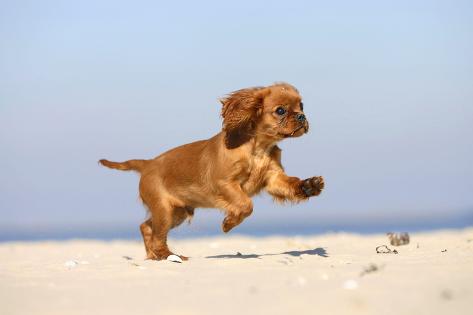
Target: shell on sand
column 174, row 258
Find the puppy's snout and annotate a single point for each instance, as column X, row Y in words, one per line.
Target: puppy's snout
column 300, row 118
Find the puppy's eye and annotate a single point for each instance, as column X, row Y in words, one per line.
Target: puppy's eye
column 302, row 106
column 280, row 111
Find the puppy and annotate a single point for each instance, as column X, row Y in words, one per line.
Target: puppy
column 226, row 170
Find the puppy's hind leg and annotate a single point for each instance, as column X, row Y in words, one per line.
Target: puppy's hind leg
column 161, row 223
column 146, row 232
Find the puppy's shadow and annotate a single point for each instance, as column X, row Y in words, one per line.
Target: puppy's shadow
column 319, row 251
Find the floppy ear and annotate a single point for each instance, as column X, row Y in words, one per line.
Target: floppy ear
column 240, row 112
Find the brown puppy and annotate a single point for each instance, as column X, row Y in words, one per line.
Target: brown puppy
column 226, row 170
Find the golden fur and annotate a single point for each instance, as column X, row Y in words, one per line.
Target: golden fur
column 226, row 170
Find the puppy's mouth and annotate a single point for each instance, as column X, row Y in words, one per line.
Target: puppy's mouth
column 289, row 135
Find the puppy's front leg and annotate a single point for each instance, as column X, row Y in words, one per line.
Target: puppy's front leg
column 283, row 187
column 236, row 203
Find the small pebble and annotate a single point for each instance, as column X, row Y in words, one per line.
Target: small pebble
column 174, row 258
column 350, row 285
column 214, row 245
column 446, row 294
column 253, row 289
column 369, row 269
column 301, row 281
column 383, row 249
column 137, row 266
column 71, row 264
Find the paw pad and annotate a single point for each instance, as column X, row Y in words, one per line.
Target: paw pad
column 313, row 186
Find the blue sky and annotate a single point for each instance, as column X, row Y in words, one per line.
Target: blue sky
column 387, row 87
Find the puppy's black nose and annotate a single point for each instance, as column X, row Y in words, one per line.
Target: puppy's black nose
column 300, row 117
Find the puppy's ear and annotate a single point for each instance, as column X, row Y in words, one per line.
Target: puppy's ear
column 240, row 113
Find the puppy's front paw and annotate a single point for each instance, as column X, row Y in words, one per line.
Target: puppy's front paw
column 312, row 186
column 229, row 223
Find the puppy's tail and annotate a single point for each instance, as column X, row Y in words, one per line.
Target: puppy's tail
column 134, row 165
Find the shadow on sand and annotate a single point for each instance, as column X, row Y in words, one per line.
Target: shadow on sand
column 319, row 251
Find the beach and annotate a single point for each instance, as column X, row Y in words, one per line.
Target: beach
column 336, row 273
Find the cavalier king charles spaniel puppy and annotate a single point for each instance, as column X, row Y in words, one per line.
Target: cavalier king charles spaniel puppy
column 225, row 171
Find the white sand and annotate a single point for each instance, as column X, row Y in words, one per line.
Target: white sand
column 277, row 275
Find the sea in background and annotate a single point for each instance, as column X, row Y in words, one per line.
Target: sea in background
column 206, row 223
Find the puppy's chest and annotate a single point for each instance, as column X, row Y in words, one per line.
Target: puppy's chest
column 253, row 175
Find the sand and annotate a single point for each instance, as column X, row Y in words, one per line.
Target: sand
column 325, row 274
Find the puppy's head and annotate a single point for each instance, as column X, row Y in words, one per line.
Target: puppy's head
column 274, row 113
